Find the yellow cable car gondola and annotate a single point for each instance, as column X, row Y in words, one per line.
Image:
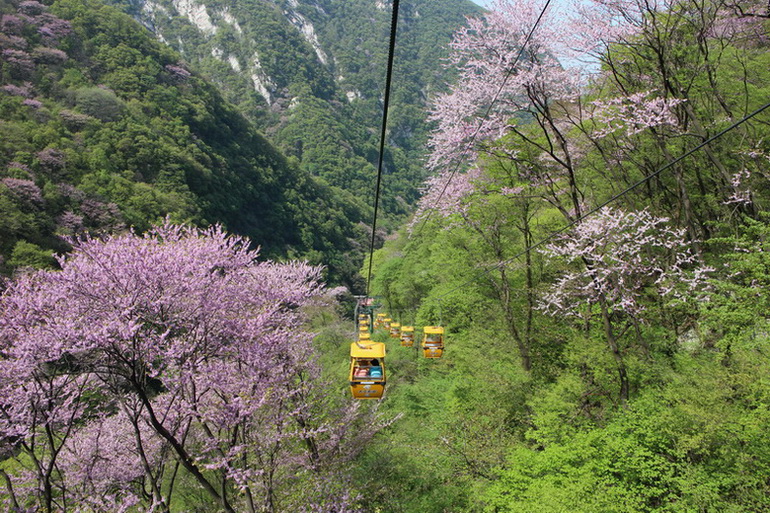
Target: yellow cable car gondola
column 386, row 323
column 367, row 369
column 395, row 330
column 407, row 336
column 433, row 341
column 379, row 322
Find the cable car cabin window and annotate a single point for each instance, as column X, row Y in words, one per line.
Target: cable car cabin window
column 367, row 369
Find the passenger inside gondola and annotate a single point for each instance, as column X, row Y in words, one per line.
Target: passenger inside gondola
column 368, row 369
column 375, row 371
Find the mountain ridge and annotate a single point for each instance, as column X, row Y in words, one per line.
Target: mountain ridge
column 270, row 56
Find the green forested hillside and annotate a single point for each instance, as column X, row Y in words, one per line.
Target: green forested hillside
column 597, row 359
column 103, row 128
column 311, row 74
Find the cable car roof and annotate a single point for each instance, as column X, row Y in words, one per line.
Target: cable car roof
column 367, row 350
column 433, row 329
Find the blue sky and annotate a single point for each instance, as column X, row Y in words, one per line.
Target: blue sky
column 483, row 3
column 554, row 3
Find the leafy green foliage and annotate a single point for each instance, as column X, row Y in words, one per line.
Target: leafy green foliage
column 556, row 437
column 26, row 254
column 739, row 304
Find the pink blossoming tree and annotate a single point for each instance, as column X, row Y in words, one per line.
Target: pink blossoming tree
column 146, row 357
column 656, row 93
column 614, row 258
column 508, row 88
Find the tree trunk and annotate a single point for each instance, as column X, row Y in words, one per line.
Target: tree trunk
column 156, row 493
column 182, row 455
column 613, row 345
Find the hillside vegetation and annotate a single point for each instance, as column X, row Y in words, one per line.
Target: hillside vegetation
column 311, row 75
column 621, row 365
column 103, row 128
column 594, row 239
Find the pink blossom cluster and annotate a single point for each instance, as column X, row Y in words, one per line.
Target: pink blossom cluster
column 12, row 42
column 18, row 166
column 87, row 213
column 594, row 25
column 446, row 194
column 45, row 55
column 178, row 71
column 486, row 52
column 53, row 29
column 51, row 159
column 32, row 102
column 24, row 191
column 15, row 90
column 742, row 20
column 741, row 191
column 31, row 8
column 71, row 192
column 634, row 113
column 101, row 464
column 512, row 78
column 20, row 62
column 100, row 215
column 615, row 256
column 755, row 165
column 70, row 223
column 178, row 345
column 11, row 24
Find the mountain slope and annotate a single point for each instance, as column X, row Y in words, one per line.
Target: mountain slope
column 303, row 67
column 103, row 127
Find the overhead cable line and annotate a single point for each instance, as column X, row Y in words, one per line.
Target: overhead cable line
column 617, row 196
column 486, row 114
column 386, row 102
